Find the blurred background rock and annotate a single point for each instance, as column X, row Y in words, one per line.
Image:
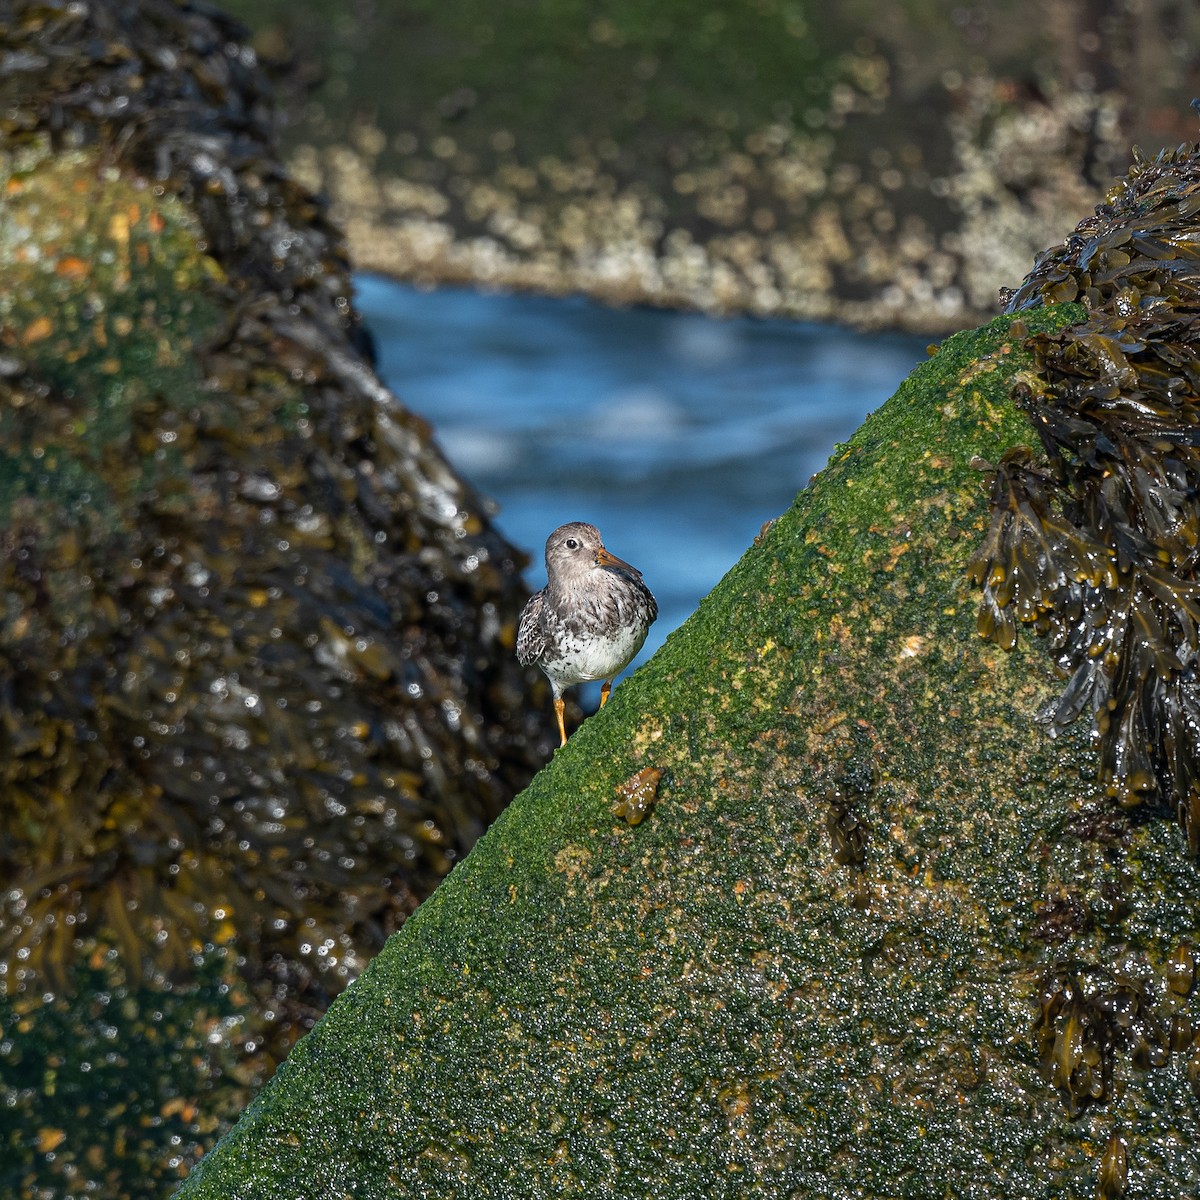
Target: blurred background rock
column 257, row 688
column 879, row 164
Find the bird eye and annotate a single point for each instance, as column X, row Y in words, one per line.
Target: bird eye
column 572, row 544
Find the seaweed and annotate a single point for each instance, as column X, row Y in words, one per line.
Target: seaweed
column 847, row 834
column 254, row 684
column 1091, row 1014
column 1114, row 1170
column 1095, row 542
column 637, row 795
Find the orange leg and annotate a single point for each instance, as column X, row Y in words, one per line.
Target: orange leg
column 559, row 706
column 605, row 688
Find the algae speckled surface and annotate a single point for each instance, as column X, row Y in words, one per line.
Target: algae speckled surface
column 737, row 996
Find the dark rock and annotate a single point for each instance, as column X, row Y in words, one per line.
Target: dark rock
column 257, row 689
column 870, row 167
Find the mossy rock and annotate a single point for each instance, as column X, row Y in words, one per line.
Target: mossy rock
column 825, row 962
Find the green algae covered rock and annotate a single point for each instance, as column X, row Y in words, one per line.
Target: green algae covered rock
column 876, row 933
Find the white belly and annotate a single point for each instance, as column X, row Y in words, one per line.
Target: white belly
column 603, row 660
column 583, row 657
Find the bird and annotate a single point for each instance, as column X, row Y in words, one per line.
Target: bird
column 589, row 620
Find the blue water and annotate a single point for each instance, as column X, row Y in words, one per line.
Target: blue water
column 677, row 435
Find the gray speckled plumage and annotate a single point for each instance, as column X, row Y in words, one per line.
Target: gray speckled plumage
column 589, row 620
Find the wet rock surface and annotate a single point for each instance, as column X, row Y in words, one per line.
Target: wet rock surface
column 257, row 690
column 879, row 933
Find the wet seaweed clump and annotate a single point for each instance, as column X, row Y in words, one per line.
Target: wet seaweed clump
column 1094, row 540
column 845, row 794
column 1058, row 918
column 1090, row 1014
column 636, row 796
column 256, row 680
column 847, row 834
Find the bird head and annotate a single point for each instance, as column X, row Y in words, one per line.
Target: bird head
column 575, row 549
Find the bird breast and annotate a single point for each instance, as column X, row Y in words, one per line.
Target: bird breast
column 599, row 637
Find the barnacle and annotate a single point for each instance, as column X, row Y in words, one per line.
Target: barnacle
column 1096, row 542
column 636, row 796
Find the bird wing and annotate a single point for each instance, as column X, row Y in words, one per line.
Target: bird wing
column 530, row 640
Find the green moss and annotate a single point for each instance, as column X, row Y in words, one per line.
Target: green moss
column 106, row 297
column 708, row 1003
column 636, row 75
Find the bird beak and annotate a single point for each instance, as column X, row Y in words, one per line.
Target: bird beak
column 604, row 559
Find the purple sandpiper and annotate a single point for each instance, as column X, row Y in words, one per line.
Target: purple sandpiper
column 589, row 620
